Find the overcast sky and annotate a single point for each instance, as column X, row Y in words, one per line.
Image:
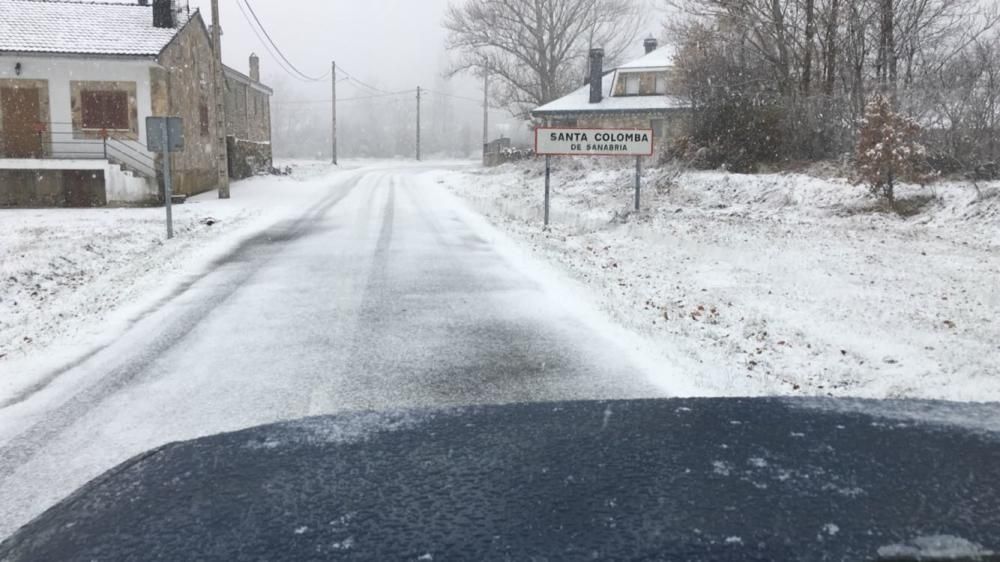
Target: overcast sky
column 392, row 44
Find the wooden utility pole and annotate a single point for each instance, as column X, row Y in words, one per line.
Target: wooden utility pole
column 418, row 123
column 486, row 112
column 333, row 80
column 222, row 155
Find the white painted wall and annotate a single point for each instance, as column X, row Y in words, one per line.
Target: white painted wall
column 124, row 188
column 59, row 71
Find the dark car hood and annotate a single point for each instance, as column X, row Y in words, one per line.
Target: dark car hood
column 674, row 479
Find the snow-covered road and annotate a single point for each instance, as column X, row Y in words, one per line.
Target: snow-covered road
column 386, row 293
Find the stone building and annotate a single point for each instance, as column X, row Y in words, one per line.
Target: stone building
column 248, row 121
column 77, row 82
column 641, row 94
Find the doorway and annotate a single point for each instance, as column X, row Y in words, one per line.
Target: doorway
column 20, row 110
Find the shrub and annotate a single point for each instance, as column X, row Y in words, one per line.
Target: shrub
column 888, row 150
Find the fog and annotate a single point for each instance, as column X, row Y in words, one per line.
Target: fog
column 391, row 45
column 388, row 45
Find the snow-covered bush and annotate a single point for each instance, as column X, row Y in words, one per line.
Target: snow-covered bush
column 888, row 150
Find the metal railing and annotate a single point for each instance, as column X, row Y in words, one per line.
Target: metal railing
column 117, row 147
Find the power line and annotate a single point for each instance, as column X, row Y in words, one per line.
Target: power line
column 359, row 82
column 265, row 43
column 479, row 102
column 453, row 96
column 356, row 98
column 278, row 50
column 279, row 54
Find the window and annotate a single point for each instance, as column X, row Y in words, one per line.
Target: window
column 203, row 118
column 657, row 126
column 661, row 84
column 631, row 84
column 104, row 110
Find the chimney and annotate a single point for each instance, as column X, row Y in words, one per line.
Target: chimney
column 254, row 67
column 596, row 75
column 650, row 44
column 163, row 13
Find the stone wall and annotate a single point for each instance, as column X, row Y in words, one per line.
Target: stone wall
column 52, row 188
column 185, row 88
column 248, row 158
column 248, row 111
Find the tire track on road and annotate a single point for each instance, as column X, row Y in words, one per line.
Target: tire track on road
column 22, row 447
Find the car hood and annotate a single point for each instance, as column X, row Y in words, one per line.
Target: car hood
column 671, row 479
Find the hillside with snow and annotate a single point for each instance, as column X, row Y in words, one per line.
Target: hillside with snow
column 774, row 283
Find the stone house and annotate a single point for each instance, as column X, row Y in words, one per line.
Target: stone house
column 77, row 82
column 248, row 121
column 640, row 94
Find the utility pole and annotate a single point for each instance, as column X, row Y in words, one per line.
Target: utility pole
column 418, row 123
column 222, row 156
column 486, row 112
column 333, row 80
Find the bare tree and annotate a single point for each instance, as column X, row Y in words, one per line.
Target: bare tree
column 908, row 50
column 534, row 50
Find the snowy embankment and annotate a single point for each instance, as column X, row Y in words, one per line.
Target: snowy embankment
column 73, row 279
column 775, row 283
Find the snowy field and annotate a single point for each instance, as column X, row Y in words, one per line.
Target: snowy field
column 74, row 279
column 774, row 283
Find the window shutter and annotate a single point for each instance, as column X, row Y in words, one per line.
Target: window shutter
column 104, row 110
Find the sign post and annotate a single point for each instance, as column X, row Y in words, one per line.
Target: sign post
column 559, row 141
column 166, row 135
column 547, row 174
column 168, row 188
column 638, row 175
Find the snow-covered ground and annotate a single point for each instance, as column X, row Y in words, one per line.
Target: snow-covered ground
column 74, row 279
column 774, row 283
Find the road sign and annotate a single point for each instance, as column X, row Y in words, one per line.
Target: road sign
column 175, row 134
column 564, row 141
column 558, row 141
column 164, row 135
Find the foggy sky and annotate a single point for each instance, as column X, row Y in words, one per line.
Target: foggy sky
column 392, row 44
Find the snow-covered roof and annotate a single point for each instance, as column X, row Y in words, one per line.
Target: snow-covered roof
column 94, row 28
column 579, row 101
column 659, row 58
column 234, row 74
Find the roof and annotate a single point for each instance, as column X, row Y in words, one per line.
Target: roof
column 659, row 58
column 234, row 74
column 579, row 101
column 93, row 28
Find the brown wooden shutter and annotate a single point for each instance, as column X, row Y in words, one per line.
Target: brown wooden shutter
column 104, row 110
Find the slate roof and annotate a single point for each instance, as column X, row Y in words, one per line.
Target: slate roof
column 91, row 28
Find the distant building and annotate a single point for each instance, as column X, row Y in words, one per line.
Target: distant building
column 642, row 94
column 79, row 79
column 248, row 121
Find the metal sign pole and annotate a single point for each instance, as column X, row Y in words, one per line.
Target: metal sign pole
column 547, row 174
column 638, row 174
column 167, row 188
